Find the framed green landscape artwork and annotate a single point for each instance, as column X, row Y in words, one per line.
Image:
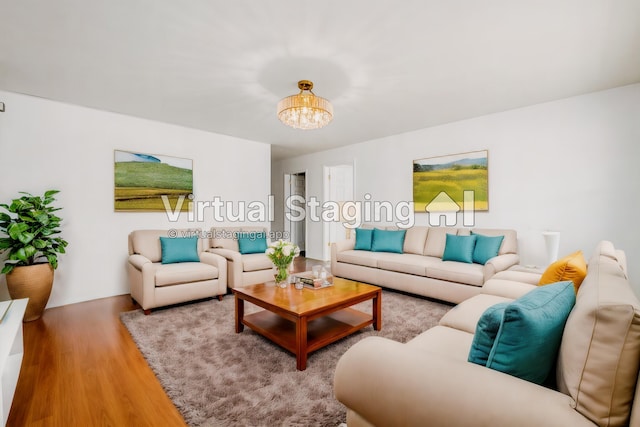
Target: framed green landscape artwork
column 146, row 182
column 445, row 183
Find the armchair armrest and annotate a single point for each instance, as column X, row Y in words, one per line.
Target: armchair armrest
column 220, row 263
column 234, row 265
column 343, row 245
column 138, row 261
column 228, row 254
column 499, row 263
column 392, row 384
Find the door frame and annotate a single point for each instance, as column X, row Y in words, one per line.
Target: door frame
column 286, row 194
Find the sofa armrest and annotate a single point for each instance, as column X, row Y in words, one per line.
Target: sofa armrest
column 138, row 261
column 499, row 263
column 392, row 384
column 342, row 245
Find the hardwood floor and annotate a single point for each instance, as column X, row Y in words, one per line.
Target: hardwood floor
column 81, row 368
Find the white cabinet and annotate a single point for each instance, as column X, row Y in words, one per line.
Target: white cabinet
column 11, row 351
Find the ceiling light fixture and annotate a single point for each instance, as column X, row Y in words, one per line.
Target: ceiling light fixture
column 305, row 110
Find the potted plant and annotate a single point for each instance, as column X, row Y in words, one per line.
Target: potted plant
column 31, row 247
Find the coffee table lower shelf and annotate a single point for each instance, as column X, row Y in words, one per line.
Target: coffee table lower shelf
column 320, row 331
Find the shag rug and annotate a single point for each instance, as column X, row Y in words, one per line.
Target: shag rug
column 216, row 377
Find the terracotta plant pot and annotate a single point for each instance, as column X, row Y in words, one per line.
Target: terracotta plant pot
column 33, row 282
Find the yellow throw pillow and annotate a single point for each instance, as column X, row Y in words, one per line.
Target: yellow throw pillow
column 572, row 267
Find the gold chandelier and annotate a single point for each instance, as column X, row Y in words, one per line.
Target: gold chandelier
column 305, row 110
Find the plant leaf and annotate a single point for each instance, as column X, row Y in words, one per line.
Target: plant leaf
column 16, row 229
column 53, row 260
column 26, row 237
column 39, row 243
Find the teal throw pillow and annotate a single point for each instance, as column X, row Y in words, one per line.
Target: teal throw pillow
column 179, row 249
column 486, row 331
column 528, row 340
column 387, row 240
column 252, row 242
column 363, row 239
column 486, row 248
column 459, row 248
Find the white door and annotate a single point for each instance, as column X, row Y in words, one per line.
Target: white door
column 339, row 188
column 294, row 195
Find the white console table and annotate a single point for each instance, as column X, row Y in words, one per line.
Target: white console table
column 11, row 351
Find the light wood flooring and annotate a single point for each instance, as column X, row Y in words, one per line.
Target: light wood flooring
column 81, row 368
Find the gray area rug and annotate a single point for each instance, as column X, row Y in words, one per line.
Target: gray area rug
column 216, row 377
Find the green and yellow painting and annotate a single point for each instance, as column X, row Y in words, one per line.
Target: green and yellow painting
column 142, row 179
column 437, row 180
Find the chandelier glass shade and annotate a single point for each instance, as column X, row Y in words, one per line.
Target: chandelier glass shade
column 305, row 110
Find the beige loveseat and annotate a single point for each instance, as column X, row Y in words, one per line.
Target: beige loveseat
column 242, row 269
column 429, row 382
column 154, row 284
column 420, row 269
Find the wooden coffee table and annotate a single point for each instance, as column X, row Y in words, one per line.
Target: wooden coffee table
column 306, row 320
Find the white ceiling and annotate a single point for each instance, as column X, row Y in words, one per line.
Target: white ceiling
column 388, row 67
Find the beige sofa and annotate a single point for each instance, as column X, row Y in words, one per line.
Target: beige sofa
column 428, row 381
column 242, row 269
column 420, row 269
column 154, row 284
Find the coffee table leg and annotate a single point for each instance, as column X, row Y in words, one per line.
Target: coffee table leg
column 239, row 314
column 377, row 311
column 301, row 344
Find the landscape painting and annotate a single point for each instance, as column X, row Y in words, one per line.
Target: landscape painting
column 440, row 183
column 142, row 179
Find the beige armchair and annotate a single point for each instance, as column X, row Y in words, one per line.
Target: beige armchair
column 154, row 284
column 242, row 269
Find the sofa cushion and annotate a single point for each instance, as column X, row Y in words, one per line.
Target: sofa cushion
column 179, row 249
column 485, row 334
column 252, row 242
column 415, row 240
column 459, row 248
column 406, row 263
column 436, row 240
column 185, row 272
column 387, row 240
column 147, row 242
column 600, row 351
column 529, row 277
column 486, row 247
column 509, row 243
column 573, row 267
column 527, row 343
column 466, row 315
column 506, row 288
column 363, row 239
column 459, row 272
column 255, row 262
column 364, row 258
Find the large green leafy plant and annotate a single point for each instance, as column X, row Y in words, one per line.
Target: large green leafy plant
column 30, row 226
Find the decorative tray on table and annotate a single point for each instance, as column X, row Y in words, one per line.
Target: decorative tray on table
column 310, row 281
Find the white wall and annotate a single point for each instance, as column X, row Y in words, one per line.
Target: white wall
column 569, row 165
column 50, row 145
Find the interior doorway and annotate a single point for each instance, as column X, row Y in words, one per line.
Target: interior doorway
column 338, row 187
column 295, row 195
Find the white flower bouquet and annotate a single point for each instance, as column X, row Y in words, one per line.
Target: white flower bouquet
column 281, row 254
